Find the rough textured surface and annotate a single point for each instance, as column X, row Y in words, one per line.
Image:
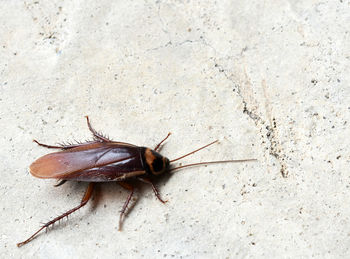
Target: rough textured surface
column 270, row 79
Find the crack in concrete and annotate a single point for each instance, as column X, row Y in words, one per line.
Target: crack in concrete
column 176, row 44
column 159, row 47
column 160, row 18
column 271, row 135
column 275, row 147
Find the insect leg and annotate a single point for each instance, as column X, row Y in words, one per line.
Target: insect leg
column 58, row 147
column 47, row 146
column 96, row 135
column 60, row 183
column 126, row 203
column 155, row 149
column 85, row 199
column 155, row 190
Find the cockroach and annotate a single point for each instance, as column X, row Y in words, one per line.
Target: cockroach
column 104, row 160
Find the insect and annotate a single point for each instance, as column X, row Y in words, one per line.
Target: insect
column 104, row 160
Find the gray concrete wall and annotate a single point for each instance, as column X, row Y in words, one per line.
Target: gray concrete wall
column 269, row 79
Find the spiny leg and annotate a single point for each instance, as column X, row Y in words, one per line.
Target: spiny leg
column 85, row 199
column 97, row 135
column 126, row 203
column 47, row 146
column 60, row 146
column 155, row 190
column 155, row 149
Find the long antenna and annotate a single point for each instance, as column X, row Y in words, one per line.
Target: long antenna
column 193, row 151
column 213, row 162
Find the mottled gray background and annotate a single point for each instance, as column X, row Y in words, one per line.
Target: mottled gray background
column 269, row 79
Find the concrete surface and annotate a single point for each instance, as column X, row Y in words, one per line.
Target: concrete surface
column 269, row 79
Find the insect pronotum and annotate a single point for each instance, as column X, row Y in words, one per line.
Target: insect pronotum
column 104, row 160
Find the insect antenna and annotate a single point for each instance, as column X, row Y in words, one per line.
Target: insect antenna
column 212, row 162
column 194, row 151
column 206, row 163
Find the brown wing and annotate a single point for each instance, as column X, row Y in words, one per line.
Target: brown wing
column 60, row 164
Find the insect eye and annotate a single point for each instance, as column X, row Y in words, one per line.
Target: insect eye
column 157, row 164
